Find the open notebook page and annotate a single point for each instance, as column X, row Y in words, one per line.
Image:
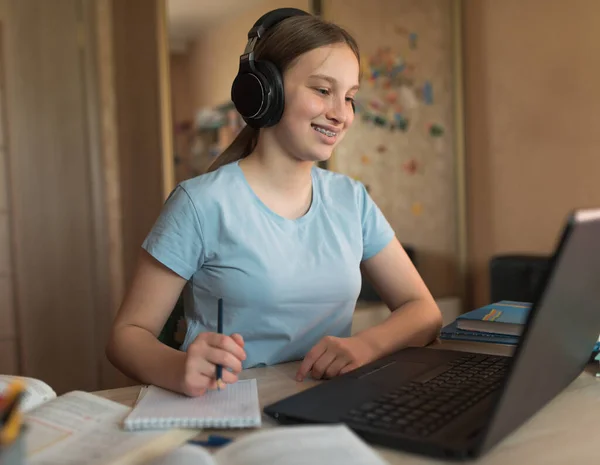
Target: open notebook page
column 296, row 445
column 288, row 445
column 236, row 406
column 36, row 391
column 185, row 455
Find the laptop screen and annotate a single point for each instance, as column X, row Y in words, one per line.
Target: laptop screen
column 561, row 331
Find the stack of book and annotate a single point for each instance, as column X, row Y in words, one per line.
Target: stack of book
column 500, row 323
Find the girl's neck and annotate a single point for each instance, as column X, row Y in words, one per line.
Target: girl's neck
column 269, row 165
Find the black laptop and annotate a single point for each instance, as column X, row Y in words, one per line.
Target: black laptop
column 457, row 404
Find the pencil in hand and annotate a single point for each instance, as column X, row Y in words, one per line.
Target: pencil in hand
column 220, row 331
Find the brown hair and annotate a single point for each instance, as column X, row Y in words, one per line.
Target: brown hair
column 282, row 45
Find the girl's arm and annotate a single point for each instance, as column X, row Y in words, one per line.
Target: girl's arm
column 416, row 319
column 134, row 347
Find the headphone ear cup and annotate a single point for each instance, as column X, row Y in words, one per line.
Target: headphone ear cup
column 249, row 96
column 274, row 86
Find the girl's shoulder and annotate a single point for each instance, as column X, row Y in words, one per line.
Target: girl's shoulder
column 339, row 186
column 212, row 185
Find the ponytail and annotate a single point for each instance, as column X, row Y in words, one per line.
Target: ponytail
column 242, row 146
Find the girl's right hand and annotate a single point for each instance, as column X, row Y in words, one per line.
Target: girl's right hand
column 202, row 357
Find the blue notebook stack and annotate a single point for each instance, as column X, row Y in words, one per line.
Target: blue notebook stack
column 500, row 323
column 452, row 332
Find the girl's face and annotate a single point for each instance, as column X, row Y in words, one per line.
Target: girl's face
column 319, row 88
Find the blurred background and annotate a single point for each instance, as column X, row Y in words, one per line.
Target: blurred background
column 476, row 134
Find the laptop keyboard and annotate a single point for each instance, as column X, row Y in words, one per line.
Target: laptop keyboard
column 420, row 409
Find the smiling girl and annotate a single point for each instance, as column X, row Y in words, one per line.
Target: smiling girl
column 280, row 240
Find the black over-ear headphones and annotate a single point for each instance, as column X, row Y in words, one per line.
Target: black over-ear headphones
column 257, row 90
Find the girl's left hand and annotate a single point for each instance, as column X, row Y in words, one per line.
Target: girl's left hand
column 333, row 356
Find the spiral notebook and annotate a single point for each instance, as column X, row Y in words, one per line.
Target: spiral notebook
column 236, row 406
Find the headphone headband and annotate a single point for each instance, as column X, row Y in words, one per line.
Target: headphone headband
column 262, row 24
column 269, row 19
column 257, row 90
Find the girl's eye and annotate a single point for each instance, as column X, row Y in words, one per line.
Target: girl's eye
column 323, row 91
column 349, row 99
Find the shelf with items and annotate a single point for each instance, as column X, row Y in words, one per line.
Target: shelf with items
column 198, row 143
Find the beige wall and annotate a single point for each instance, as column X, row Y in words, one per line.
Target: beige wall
column 181, row 103
column 214, row 55
column 533, row 109
column 182, row 111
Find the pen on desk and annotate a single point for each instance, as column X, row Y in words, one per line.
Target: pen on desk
column 212, row 441
column 220, row 331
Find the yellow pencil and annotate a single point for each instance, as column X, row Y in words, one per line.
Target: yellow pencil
column 14, row 388
column 11, row 417
column 10, row 429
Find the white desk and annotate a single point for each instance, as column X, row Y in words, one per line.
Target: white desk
column 564, row 432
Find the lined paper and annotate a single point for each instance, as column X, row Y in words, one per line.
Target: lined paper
column 236, row 406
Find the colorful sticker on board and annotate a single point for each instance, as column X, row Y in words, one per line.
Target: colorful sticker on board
column 410, row 167
column 401, row 122
column 379, row 121
column 365, row 160
column 412, row 40
column 428, row 93
column 436, row 130
column 375, row 104
column 381, row 148
column 410, row 71
column 400, row 30
column 392, row 89
column 391, row 97
column 416, row 208
column 398, row 68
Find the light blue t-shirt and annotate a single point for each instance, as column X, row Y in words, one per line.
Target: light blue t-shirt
column 285, row 283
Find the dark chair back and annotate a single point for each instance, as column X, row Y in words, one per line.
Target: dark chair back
column 173, row 331
column 516, row 277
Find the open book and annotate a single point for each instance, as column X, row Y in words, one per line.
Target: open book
column 284, row 445
column 36, row 391
column 82, row 428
